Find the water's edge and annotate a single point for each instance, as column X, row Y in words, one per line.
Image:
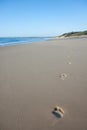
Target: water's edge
column 9, row 41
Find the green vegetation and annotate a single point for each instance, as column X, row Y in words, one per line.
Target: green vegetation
column 74, row 34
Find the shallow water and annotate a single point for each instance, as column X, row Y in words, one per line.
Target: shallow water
column 6, row 41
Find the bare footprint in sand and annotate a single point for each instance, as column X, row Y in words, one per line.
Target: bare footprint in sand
column 58, row 112
column 63, row 76
column 69, row 59
column 69, row 63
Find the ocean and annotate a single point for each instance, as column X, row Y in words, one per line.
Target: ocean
column 8, row 41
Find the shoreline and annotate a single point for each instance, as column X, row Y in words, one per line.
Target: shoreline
column 11, row 41
column 49, row 39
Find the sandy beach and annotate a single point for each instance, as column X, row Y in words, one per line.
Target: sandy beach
column 32, row 83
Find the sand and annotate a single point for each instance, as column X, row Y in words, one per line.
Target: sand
column 30, row 85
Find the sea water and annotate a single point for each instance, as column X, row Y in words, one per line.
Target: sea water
column 7, row 41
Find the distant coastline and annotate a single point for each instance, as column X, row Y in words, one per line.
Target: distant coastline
column 8, row 41
column 73, row 34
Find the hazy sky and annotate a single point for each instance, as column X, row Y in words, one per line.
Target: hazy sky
column 42, row 17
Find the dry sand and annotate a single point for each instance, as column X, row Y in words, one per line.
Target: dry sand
column 30, row 85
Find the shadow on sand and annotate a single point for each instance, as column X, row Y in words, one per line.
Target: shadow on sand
column 57, row 115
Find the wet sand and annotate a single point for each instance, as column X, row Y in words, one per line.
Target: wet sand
column 34, row 78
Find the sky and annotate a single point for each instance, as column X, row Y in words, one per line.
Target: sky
column 42, row 17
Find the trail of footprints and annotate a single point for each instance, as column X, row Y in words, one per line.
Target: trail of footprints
column 63, row 76
column 58, row 111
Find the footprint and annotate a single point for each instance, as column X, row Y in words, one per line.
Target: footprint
column 58, row 112
column 69, row 63
column 63, row 76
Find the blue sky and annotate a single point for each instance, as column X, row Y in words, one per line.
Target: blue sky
column 42, row 17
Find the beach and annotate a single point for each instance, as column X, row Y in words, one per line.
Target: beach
column 32, row 83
